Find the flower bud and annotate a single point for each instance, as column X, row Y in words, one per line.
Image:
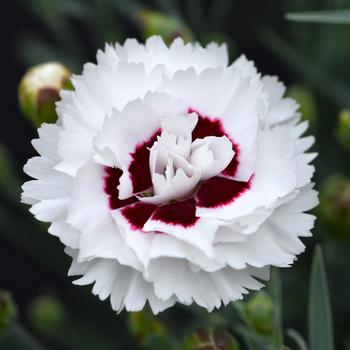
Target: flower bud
column 8, row 311
column 205, row 339
column 47, row 315
column 149, row 331
column 306, row 100
column 260, row 313
column 168, row 27
column 39, row 91
column 343, row 129
column 335, row 205
column 144, row 323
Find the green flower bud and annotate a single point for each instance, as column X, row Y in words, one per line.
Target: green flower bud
column 149, row 331
column 39, row 90
column 47, row 315
column 8, row 311
column 343, row 129
column 156, row 23
column 260, row 313
column 335, row 206
column 204, row 339
column 306, row 100
column 143, row 323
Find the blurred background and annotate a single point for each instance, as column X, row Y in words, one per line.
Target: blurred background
column 41, row 309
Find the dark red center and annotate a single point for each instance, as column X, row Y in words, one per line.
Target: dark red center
column 180, row 213
column 212, row 193
column 208, row 126
column 112, row 176
column 137, row 214
column 219, row 191
column 139, row 170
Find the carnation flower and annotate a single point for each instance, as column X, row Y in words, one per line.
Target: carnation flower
column 172, row 176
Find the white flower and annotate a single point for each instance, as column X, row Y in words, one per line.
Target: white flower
column 172, row 176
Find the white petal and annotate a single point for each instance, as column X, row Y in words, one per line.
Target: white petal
column 274, row 177
column 174, row 184
column 66, row 233
column 187, row 55
column 209, row 290
column 211, row 155
column 279, row 109
column 205, row 228
column 89, row 204
column 225, row 95
column 99, row 90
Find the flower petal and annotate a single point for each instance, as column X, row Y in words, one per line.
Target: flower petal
column 274, row 177
column 212, row 155
column 179, row 220
column 223, row 97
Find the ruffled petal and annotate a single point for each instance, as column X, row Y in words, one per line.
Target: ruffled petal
column 179, row 220
column 227, row 104
column 274, row 177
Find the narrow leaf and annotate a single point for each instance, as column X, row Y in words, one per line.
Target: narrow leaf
column 320, row 318
column 305, row 68
column 18, row 338
column 274, row 288
column 168, row 6
column 335, row 17
column 253, row 340
column 297, row 338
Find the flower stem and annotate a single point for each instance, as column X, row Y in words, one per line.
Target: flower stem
column 18, row 338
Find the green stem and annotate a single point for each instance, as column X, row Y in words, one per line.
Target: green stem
column 18, row 338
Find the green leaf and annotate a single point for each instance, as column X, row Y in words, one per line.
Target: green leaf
column 18, row 338
column 10, row 184
column 320, row 318
column 335, row 17
column 274, row 288
column 306, row 69
column 239, row 307
column 298, row 339
column 253, row 340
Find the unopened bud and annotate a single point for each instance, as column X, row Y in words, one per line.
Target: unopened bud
column 47, row 315
column 143, row 323
column 335, row 206
column 343, row 129
column 156, row 23
column 260, row 313
column 306, row 100
column 39, row 91
column 8, row 311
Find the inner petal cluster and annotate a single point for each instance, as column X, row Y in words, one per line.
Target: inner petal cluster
column 177, row 163
column 172, row 172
